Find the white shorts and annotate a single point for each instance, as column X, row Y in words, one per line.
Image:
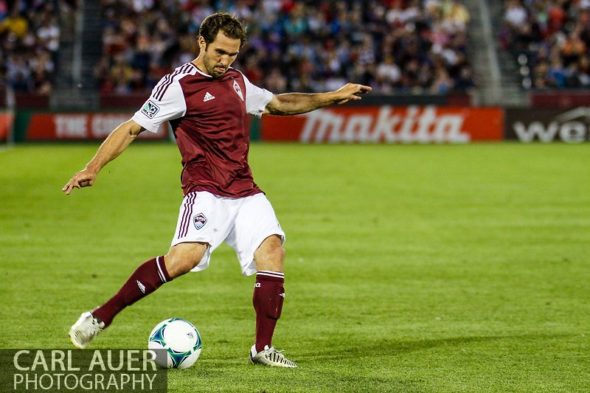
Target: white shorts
column 243, row 223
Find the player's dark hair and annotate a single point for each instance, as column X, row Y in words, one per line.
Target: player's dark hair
column 225, row 22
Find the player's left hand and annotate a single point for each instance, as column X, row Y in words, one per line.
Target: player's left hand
column 351, row 91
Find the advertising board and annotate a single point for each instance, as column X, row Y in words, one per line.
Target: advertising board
column 386, row 124
column 80, row 126
column 548, row 125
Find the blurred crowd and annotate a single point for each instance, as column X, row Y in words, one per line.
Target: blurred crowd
column 550, row 40
column 29, row 43
column 417, row 46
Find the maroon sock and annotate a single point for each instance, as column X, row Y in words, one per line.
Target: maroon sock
column 268, row 303
column 145, row 279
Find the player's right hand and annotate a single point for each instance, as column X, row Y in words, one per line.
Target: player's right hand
column 84, row 178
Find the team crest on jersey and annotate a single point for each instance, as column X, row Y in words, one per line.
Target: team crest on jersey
column 238, row 90
column 199, row 220
column 150, row 109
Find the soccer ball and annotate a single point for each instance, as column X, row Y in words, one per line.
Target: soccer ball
column 181, row 341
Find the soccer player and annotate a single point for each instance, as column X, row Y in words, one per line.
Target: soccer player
column 207, row 103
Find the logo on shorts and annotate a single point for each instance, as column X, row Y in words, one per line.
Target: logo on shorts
column 150, row 109
column 199, row 220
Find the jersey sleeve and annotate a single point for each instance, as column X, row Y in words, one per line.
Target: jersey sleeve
column 256, row 98
column 165, row 103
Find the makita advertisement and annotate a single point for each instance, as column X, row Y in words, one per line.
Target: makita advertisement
column 387, row 124
column 548, row 125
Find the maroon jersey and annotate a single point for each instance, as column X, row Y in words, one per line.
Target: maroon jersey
column 209, row 117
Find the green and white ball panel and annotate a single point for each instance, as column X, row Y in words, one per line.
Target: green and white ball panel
column 187, row 361
column 164, row 362
column 180, row 339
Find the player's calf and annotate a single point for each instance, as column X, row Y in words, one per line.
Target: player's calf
column 146, row 279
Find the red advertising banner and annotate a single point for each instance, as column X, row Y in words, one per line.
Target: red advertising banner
column 81, row 126
column 386, row 124
column 6, row 120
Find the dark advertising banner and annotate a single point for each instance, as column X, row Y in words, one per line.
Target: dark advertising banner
column 548, row 125
column 559, row 98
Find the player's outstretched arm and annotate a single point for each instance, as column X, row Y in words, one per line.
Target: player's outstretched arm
column 113, row 145
column 295, row 103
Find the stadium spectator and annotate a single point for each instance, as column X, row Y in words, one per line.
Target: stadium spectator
column 29, row 36
column 550, row 39
column 412, row 45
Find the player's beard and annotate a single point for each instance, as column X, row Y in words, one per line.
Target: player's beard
column 214, row 69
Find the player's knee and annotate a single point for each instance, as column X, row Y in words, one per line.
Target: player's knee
column 182, row 265
column 182, row 258
column 272, row 259
column 277, row 254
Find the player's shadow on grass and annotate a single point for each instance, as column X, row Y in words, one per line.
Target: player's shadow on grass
column 393, row 347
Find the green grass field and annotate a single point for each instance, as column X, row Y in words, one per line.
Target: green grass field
column 409, row 268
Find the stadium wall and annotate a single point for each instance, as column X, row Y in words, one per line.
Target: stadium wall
column 355, row 124
column 559, row 98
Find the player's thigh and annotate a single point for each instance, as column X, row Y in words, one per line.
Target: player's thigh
column 194, row 233
column 202, row 218
column 254, row 223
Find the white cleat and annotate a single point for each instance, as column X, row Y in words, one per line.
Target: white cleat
column 270, row 357
column 85, row 329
